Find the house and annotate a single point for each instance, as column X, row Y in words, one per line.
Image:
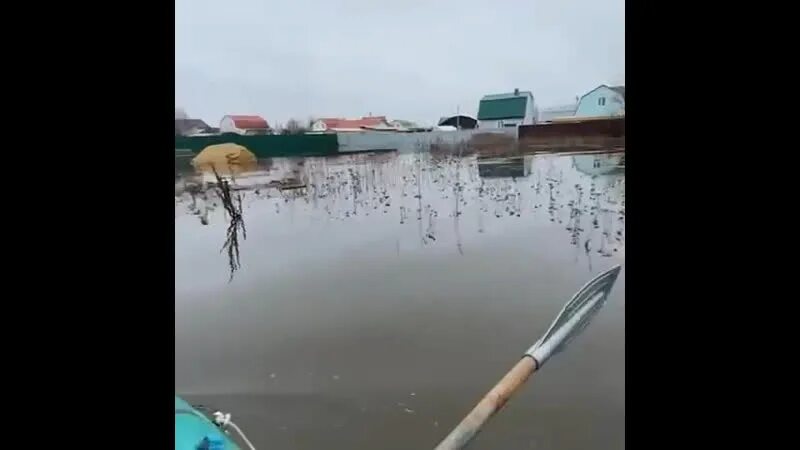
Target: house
column 190, row 127
column 407, row 126
column 336, row 125
column 555, row 112
column 507, row 110
column 460, row 122
column 602, row 101
column 244, row 124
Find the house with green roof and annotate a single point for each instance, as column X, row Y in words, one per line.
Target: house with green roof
column 507, row 110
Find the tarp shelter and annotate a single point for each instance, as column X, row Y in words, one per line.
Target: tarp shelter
column 225, row 159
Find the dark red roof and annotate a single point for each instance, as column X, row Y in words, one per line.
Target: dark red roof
column 249, row 122
column 354, row 123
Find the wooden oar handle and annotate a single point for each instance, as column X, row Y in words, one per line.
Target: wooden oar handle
column 489, row 405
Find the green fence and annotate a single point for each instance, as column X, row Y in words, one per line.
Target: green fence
column 267, row 146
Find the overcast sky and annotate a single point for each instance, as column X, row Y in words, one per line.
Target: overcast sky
column 407, row 59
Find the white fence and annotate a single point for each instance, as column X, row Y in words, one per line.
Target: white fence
column 408, row 142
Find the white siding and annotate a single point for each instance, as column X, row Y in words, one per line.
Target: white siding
column 601, row 101
column 227, row 126
column 318, row 126
column 530, row 111
column 496, row 124
column 550, row 113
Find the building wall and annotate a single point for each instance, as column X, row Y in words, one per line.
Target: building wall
column 406, row 142
column 496, row 124
column 226, row 125
column 601, row 102
column 529, row 119
column 531, row 112
column 254, row 132
column 548, row 114
column 318, row 126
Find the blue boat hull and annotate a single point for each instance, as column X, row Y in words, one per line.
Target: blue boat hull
column 194, row 431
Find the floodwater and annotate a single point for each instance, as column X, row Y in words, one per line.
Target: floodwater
column 376, row 306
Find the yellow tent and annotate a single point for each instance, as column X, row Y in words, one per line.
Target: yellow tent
column 225, row 158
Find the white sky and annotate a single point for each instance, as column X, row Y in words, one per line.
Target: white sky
column 408, row 59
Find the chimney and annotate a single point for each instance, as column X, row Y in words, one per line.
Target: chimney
column 516, row 91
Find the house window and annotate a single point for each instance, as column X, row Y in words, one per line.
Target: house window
column 601, row 101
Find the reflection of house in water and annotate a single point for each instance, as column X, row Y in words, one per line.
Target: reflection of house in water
column 608, row 178
column 600, row 164
column 592, row 186
column 517, row 167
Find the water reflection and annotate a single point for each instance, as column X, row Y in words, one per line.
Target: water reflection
column 583, row 194
column 374, row 285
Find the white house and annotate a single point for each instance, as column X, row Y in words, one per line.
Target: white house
column 245, row 125
column 555, row 112
column 407, row 125
column 336, row 125
column 507, row 110
column 602, row 101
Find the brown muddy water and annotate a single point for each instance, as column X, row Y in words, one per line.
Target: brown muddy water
column 375, row 307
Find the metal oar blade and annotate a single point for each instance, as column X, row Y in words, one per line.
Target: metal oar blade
column 572, row 319
column 574, row 316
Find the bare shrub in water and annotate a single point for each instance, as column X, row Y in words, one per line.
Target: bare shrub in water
column 233, row 209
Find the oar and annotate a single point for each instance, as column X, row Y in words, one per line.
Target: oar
column 572, row 319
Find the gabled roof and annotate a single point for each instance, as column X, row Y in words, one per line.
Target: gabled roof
column 619, row 89
column 249, row 122
column 507, row 95
column 185, row 125
column 504, row 106
column 336, row 123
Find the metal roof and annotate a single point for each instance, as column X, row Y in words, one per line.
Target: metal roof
column 507, row 95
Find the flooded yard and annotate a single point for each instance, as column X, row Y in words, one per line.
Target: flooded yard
column 378, row 297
